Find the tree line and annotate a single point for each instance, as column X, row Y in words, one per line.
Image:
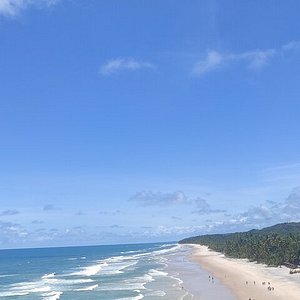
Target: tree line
column 276, row 245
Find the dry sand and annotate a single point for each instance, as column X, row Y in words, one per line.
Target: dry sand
column 245, row 279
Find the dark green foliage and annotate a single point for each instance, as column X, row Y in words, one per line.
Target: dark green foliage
column 275, row 245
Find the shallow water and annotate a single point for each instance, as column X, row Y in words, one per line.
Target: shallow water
column 101, row 272
column 195, row 279
column 144, row 271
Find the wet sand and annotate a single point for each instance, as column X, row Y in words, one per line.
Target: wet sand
column 248, row 280
column 196, row 281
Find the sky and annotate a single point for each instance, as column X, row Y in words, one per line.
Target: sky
column 143, row 121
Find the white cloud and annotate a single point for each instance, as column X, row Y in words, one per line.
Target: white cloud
column 254, row 59
column 13, row 7
column 37, row 222
column 203, row 207
column 149, row 198
column 48, row 207
column 283, row 173
column 110, row 213
column 293, row 45
column 210, row 63
column 164, row 231
column 9, row 212
column 116, row 65
column 266, row 214
column 11, row 233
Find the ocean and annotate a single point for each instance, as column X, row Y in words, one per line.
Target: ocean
column 133, row 272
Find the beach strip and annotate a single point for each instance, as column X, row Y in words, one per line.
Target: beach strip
column 194, row 279
column 248, row 280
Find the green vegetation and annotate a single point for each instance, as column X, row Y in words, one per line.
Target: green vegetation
column 275, row 245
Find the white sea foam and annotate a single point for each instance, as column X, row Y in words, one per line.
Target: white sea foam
column 13, row 293
column 110, row 266
column 132, row 251
column 153, row 272
column 47, row 276
column 177, row 279
column 165, row 251
column 90, row 270
column 25, row 286
column 138, row 297
column 61, row 282
column 88, row 288
column 51, row 288
column 119, row 258
column 166, row 245
column 117, row 268
column 52, row 295
column 133, row 284
column 145, row 278
column 156, row 294
column 122, row 287
column 41, row 289
column 7, row 275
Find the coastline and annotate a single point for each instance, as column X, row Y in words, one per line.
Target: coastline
column 248, row 280
column 194, row 279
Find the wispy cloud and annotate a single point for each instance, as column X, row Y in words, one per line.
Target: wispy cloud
column 48, row 207
column 211, row 62
column 265, row 214
column 286, row 172
column 11, row 233
column 79, row 213
column 254, row 59
column 9, row 212
column 110, row 213
column 117, row 65
column 149, row 198
column 11, row 8
column 37, row 222
column 204, row 208
column 176, row 218
column 293, row 45
column 116, row 226
column 164, row 231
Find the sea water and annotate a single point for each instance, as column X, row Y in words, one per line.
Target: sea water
column 94, row 272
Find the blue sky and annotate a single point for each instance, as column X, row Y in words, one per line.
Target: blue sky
column 135, row 121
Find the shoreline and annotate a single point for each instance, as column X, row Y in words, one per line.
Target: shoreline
column 248, row 280
column 194, row 279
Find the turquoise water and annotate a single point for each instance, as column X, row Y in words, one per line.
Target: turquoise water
column 94, row 272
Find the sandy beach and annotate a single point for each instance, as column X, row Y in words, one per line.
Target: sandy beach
column 194, row 279
column 248, row 280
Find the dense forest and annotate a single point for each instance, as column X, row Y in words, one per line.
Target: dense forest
column 274, row 246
